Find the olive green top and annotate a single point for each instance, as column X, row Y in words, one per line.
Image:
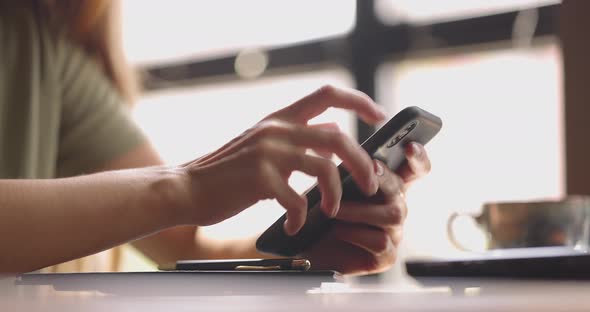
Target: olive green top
column 59, row 114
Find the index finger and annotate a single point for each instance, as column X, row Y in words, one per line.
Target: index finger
column 329, row 96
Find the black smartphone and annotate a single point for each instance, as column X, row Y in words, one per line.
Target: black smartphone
column 411, row 124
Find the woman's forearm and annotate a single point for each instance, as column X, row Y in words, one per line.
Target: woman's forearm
column 45, row 222
column 239, row 248
column 188, row 242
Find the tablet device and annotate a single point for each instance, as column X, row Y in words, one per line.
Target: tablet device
column 184, row 283
column 561, row 262
column 411, row 124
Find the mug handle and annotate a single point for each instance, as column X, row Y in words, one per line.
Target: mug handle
column 451, row 232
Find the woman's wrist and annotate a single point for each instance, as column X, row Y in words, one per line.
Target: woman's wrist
column 209, row 248
column 170, row 191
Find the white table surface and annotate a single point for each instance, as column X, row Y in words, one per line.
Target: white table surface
column 146, row 292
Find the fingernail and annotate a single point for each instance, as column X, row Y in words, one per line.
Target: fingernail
column 335, row 210
column 381, row 112
column 374, row 186
column 388, row 248
column 330, row 211
column 378, row 169
column 286, row 228
column 416, row 150
column 398, row 234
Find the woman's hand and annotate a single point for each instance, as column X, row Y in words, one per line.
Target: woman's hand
column 257, row 164
column 365, row 236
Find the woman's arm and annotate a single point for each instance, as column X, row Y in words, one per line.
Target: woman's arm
column 45, row 222
column 51, row 221
column 179, row 242
column 358, row 244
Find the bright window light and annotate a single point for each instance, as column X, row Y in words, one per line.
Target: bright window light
column 428, row 11
column 156, row 31
column 502, row 137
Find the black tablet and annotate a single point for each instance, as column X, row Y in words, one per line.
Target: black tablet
column 411, row 124
column 535, row 262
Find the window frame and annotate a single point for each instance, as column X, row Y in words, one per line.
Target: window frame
column 362, row 51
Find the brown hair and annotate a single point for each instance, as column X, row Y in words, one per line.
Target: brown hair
column 96, row 26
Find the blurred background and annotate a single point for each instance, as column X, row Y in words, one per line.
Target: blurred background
column 491, row 69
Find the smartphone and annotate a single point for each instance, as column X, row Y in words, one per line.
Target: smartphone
column 411, row 124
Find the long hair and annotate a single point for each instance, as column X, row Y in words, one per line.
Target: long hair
column 95, row 25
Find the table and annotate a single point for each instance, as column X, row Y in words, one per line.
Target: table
column 149, row 292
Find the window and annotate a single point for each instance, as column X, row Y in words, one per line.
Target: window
column 501, row 139
column 429, row 11
column 501, row 106
column 157, row 31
